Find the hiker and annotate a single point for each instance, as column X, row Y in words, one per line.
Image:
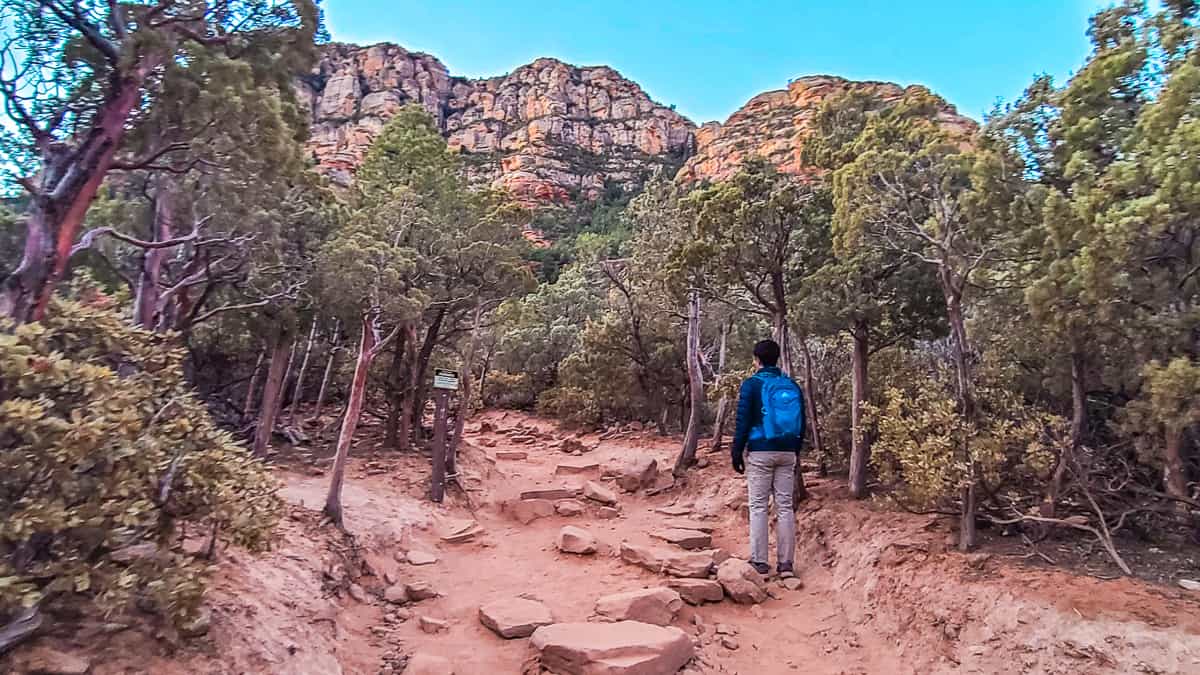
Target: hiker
column 766, row 447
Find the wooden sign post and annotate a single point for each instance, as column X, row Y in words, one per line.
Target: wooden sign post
column 444, row 383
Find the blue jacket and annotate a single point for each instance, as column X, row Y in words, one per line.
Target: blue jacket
column 749, row 416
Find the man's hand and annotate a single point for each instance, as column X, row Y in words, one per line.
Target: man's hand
column 739, row 465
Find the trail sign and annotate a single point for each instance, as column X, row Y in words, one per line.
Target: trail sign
column 445, row 379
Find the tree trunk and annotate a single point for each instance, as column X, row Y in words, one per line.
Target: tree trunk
column 66, row 185
column 420, row 388
column 1174, row 466
column 272, row 389
column 691, row 437
column 333, row 352
column 146, row 301
column 354, row 403
column 779, row 317
column 252, row 388
column 810, row 400
column 860, row 445
column 287, row 376
column 464, row 402
column 1078, row 425
column 718, row 438
column 395, row 392
column 960, row 349
column 298, row 392
column 409, row 392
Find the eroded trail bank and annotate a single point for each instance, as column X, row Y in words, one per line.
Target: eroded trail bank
column 879, row 592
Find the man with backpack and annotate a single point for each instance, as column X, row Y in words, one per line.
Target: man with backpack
column 766, row 447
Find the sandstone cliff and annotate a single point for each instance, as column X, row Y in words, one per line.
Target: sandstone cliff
column 774, row 125
column 548, row 131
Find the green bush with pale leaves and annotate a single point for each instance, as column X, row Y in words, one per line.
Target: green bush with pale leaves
column 107, row 463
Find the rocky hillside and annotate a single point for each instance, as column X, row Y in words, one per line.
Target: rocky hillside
column 548, row 131
column 774, row 125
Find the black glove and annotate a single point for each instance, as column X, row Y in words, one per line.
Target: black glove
column 739, row 465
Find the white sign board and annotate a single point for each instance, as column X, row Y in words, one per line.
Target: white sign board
column 445, row 379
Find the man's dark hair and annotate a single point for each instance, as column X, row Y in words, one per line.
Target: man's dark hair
column 767, row 352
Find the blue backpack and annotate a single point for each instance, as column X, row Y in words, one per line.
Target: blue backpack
column 782, row 407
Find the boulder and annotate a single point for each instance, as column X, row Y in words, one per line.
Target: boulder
column 428, row 664
column 599, row 493
column 695, row 565
column 688, row 539
column 420, row 590
column 515, row 617
column 697, row 591
column 658, row 606
column 576, row 540
column 525, row 511
column 577, row 467
column 43, row 660
column 569, row 507
column 421, row 558
column 741, row 582
column 622, row 648
column 636, row 473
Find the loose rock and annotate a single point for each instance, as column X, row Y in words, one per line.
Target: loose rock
column 357, row 593
column 697, row 591
column 576, row 467
column 421, row 558
column 741, row 582
column 793, row 584
column 622, row 648
column 608, row 513
column 576, row 540
column 525, row 511
column 515, row 617
column 597, row 492
column 687, row 539
column 431, row 625
column 420, row 590
column 569, row 508
column 397, row 594
column 658, row 606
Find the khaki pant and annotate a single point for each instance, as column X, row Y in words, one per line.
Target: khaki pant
column 770, row 473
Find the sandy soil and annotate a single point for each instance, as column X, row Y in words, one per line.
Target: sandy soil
column 882, row 594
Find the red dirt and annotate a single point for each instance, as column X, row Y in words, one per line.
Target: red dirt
column 882, row 594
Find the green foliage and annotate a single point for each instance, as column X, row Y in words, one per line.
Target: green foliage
column 104, row 448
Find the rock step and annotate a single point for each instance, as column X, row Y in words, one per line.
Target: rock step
column 686, row 539
column 672, row 562
column 621, row 648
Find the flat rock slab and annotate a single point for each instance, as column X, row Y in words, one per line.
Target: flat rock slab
column 697, row 591
column 421, row 558
column 511, row 454
column 570, row 507
column 674, row 510
column 551, row 493
column 515, row 617
column 658, row 606
column 694, row 565
column 428, row 664
column 622, row 648
column 576, row 467
column 688, row 539
column 525, row 511
column 690, row 524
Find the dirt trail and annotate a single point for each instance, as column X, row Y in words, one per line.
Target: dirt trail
column 881, row 593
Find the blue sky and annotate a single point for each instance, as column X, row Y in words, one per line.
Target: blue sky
column 709, row 57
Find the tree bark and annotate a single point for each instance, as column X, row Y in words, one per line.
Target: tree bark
column 395, row 392
column 718, row 438
column 287, row 376
column 410, row 391
column 272, row 389
column 420, row 388
column 1174, row 466
column 333, row 351
column 810, row 400
column 298, row 391
column 464, row 404
column 860, row 447
column 960, row 350
column 691, row 437
column 354, row 403
column 67, row 185
column 779, row 317
column 146, row 302
column 252, row 387
column 1078, row 425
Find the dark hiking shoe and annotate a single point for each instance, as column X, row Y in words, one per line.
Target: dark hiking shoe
column 762, row 568
column 786, row 572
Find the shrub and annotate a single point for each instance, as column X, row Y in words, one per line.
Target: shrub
column 105, row 457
